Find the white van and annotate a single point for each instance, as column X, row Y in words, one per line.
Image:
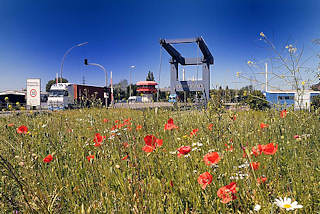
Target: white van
column 135, row 99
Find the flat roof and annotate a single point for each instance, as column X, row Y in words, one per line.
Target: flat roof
column 147, row 83
column 13, row 92
column 290, row 91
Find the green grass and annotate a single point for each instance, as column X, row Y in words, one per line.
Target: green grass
column 143, row 182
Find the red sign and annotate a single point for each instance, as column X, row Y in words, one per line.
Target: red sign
column 33, row 93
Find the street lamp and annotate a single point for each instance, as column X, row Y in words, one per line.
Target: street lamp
column 132, row 67
column 66, row 53
column 105, row 71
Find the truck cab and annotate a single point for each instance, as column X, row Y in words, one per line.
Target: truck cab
column 135, row 99
column 61, row 96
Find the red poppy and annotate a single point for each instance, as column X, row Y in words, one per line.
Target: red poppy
column 138, row 127
column 105, row 120
column 117, row 121
column 151, row 143
column 170, row 125
column 210, row 126
column 147, row 148
column 257, row 150
column 10, row 124
column 204, row 179
column 22, row 130
column 125, row 157
column 233, row 117
column 262, row 179
column 90, row 157
column 171, row 183
column 269, row 149
column 98, row 138
column 263, row 125
column 255, row 165
column 228, row 148
column 183, row 150
column 296, row 136
column 211, row 158
column 194, row 132
column 227, row 193
column 283, row 113
column 126, row 122
column 125, row 144
column 48, row 159
column 151, row 140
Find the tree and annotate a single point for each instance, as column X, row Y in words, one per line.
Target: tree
column 256, row 100
column 51, row 82
column 150, row 76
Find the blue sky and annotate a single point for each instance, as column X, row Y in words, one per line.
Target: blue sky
column 35, row 35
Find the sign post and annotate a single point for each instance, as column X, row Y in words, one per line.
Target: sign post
column 33, row 93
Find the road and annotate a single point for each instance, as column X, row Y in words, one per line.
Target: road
column 142, row 105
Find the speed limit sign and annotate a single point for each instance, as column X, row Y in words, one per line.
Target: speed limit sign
column 33, row 92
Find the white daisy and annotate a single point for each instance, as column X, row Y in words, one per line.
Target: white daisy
column 257, row 207
column 286, row 204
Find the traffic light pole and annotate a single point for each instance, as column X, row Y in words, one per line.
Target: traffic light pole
column 105, row 71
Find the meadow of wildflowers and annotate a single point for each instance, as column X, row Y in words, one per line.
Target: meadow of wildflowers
column 122, row 161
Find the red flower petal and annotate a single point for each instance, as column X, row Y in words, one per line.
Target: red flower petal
column 125, row 157
column 147, row 148
column 170, row 125
column 263, row 125
column 204, row 179
column 283, row 113
column 183, row 150
column 269, row 149
column 90, row 157
column 262, row 179
column 48, row 159
column 211, row 158
column 255, row 165
column 227, row 193
column 22, row 130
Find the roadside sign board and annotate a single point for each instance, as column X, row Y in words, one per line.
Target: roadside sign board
column 33, row 92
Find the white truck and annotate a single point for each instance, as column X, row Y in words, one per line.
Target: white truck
column 67, row 95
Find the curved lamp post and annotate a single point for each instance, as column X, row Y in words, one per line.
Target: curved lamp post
column 105, row 71
column 66, row 53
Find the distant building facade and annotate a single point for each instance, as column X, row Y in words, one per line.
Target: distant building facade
column 290, row 98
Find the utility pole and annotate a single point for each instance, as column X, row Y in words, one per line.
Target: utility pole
column 112, row 101
column 183, row 79
column 83, row 80
column 266, row 66
column 131, row 68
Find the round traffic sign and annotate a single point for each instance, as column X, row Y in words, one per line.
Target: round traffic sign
column 33, row 93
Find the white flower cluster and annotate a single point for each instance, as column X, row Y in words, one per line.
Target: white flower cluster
column 291, row 49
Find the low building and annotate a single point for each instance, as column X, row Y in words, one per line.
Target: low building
column 12, row 97
column 290, row 98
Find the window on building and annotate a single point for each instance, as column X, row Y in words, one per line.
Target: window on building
column 286, row 97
